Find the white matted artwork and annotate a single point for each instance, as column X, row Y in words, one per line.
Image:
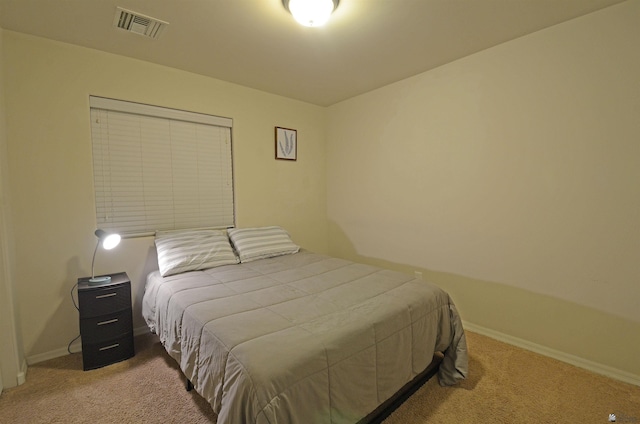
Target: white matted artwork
column 286, row 143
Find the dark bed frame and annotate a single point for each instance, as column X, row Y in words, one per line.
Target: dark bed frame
column 386, row 408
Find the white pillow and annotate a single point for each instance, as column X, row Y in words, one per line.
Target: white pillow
column 262, row 242
column 191, row 250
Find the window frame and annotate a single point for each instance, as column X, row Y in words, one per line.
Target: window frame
column 103, row 167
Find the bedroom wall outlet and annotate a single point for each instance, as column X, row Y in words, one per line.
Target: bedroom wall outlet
column 417, row 274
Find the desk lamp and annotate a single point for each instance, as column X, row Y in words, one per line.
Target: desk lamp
column 108, row 241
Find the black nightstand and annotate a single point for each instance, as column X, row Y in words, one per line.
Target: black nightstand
column 106, row 322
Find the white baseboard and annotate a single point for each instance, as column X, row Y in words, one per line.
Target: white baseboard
column 76, row 346
column 140, row 331
column 22, row 375
column 556, row 354
column 41, row 357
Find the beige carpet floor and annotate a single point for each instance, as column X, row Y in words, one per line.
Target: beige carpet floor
column 506, row 385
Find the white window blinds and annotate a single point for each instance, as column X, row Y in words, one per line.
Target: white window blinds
column 160, row 169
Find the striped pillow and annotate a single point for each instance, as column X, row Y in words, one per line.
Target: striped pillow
column 263, row 242
column 191, row 250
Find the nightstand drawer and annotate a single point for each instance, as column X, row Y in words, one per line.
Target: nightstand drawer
column 100, row 301
column 96, row 355
column 106, row 327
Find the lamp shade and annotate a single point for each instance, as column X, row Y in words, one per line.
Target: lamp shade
column 108, row 242
column 311, row 13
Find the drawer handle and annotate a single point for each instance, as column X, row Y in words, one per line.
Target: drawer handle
column 109, row 347
column 102, row 296
column 111, row 321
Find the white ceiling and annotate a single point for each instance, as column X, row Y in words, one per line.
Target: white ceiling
column 256, row 43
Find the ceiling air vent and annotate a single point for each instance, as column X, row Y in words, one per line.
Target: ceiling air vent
column 138, row 23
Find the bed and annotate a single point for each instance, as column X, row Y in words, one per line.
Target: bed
column 276, row 334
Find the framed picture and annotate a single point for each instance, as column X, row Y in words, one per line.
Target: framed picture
column 286, row 143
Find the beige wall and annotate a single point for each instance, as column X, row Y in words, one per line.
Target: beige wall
column 48, row 85
column 510, row 177
column 11, row 352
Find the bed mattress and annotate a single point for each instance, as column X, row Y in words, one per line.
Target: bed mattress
column 303, row 338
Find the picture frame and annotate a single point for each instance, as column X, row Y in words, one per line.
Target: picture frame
column 286, row 143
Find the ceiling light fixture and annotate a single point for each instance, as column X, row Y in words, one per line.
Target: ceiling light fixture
column 311, row 13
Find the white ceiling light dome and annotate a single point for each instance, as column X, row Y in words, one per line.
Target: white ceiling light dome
column 311, row 13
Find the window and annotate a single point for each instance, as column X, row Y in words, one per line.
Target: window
column 160, row 169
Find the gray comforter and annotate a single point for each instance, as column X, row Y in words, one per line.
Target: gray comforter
column 303, row 338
